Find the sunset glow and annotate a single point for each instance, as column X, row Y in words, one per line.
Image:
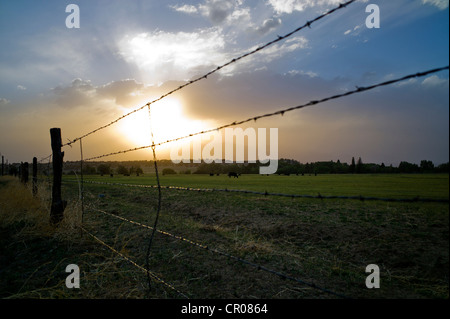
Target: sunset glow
column 81, row 73
column 166, row 119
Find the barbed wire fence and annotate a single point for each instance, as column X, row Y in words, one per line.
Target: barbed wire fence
column 151, row 276
column 319, row 196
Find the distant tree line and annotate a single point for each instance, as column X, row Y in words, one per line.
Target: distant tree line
column 107, row 169
column 290, row 166
column 285, row 167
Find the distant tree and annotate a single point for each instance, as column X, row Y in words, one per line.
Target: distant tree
column 308, row 168
column 443, row 168
column 89, row 170
column 359, row 166
column 353, row 166
column 122, row 170
column 139, row 171
column 168, row 171
column 426, row 166
column 203, row 168
column 103, row 169
column 341, row 168
column 406, row 167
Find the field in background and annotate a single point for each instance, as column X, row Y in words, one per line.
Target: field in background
column 434, row 186
column 328, row 242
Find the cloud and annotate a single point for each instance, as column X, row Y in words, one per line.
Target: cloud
column 435, row 80
column 21, row 88
column 121, row 91
column 308, row 73
column 218, row 12
column 163, row 56
column 185, row 8
column 79, row 93
column 268, row 26
column 289, row 6
column 58, row 55
column 4, row 101
column 355, row 31
column 278, row 50
column 441, row 4
column 225, row 11
column 252, row 93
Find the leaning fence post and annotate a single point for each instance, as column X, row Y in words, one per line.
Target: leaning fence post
column 34, row 176
column 58, row 205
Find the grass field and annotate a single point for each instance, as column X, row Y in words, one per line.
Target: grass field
column 387, row 186
column 325, row 242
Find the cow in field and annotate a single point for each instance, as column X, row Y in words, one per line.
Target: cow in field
column 234, row 174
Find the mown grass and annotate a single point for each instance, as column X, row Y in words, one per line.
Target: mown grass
column 328, row 242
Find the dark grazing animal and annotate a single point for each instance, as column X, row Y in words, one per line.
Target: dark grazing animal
column 234, row 174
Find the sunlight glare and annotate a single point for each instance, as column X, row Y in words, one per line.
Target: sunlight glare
column 168, row 122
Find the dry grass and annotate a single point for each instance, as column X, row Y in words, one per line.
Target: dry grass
column 34, row 253
column 19, row 206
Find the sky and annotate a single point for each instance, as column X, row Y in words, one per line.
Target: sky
column 125, row 54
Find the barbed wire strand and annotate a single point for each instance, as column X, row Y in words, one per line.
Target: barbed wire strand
column 44, row 158
column 259, row 267
column 205, row 76
column 149, row 273
column 415, row 199
column 282, row 111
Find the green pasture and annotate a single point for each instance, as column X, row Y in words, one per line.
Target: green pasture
column 435, row 186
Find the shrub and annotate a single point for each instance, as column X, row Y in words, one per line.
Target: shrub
column 168, row 171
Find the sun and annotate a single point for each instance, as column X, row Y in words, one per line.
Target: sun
column 166, row 119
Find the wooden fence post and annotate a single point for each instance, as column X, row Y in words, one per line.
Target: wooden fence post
column 58, row 205
column 34, row 176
